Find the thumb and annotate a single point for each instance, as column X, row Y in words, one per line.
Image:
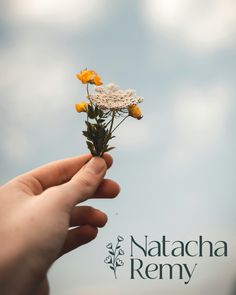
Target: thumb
column 82, row 185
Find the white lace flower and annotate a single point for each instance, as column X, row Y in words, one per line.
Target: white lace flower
column 111, row 97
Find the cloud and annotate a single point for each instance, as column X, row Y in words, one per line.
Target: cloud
column 16, row 145
column 199, row 114
column 203, row 25
column 63, row 12
column 134, row 135
column 192, row 124
column 198, row 118
column 37, row 90
column 37, row 79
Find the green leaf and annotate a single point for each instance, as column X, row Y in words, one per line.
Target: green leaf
column 89, row 126
column 111, row 267
column 100, row 121
column 85, row 133
column 109, row 149
column 91, row 147
column 100, row 113
column 96, row 110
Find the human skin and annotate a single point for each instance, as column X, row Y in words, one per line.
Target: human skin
column 36, row 213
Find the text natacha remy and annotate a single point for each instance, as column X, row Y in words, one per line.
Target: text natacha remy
column 142, row 251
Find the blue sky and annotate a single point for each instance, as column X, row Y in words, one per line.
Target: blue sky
column 176, row 166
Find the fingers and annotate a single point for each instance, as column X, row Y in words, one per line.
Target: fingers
column 79, row 236
column 108, row 159
column 57, row 172
column 87, row 215
column 82, row 186
column 107, row 189
column 88, row 218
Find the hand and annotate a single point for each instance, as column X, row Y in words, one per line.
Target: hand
column 38, row 208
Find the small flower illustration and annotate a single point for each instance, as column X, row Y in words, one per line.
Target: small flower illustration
column 108, row 259
column 109, row 246
column 113, row 260
column 119, row 262
column 120, row 239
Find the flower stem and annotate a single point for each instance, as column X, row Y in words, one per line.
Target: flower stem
column 112, row 122
column 87, row 89
column 108, row 123
column 119, row 124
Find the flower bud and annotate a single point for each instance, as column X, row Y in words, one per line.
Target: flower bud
column 135, row 112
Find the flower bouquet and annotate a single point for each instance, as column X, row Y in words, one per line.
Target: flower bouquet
column 107, row 107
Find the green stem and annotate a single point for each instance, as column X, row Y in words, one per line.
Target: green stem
column 88, row 94
column 87, row 89
column 108, row 137
column 108, row 123
column 119, row 124
column 112, row 122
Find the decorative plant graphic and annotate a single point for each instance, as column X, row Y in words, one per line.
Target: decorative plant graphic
column 113, row 259
column 104, row 106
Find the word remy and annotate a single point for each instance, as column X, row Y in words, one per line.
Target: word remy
column 141, row 252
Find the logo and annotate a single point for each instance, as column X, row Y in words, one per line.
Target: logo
column 113, row 260
column 159, row 258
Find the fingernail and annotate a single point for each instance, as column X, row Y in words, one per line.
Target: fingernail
column 96, row 165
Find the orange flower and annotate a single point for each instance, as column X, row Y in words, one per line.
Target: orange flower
column 97, row 80
column 135, row 112
column 81, row 107
column 89, row 76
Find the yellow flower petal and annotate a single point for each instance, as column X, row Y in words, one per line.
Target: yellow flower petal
column 81, row 107
column 97, row 80
column 89, row 76
column 135, row 112
column 85, row 76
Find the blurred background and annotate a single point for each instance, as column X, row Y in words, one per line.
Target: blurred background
column 176, row 166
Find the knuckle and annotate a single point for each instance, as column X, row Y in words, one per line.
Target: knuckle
column 86, row 180
column 85, row 184
column 90, row 211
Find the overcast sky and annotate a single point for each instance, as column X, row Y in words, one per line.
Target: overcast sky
column 176, row 166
